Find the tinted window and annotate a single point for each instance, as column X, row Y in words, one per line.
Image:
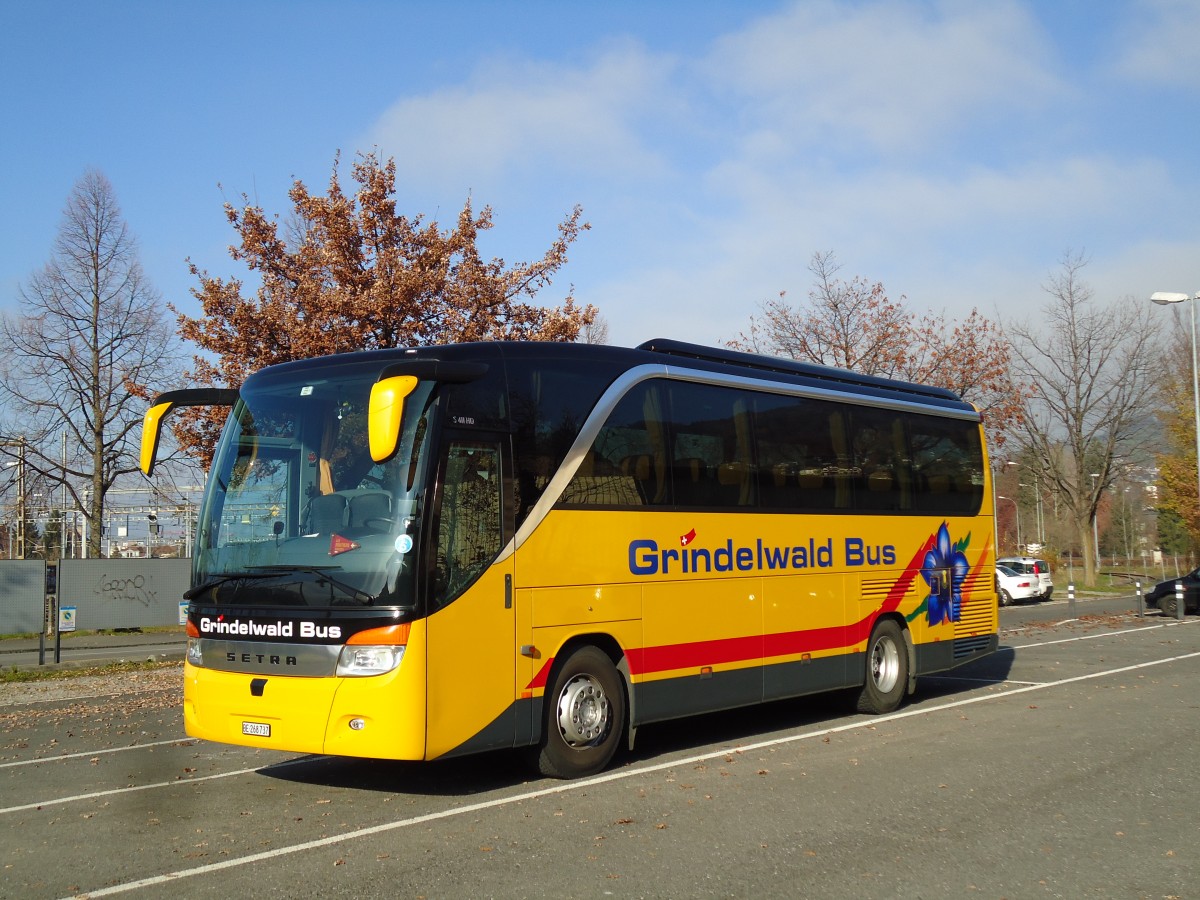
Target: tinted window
column 712, row 456
column 627, row 465
column 799, row 465
column 549, row 405
column 694, row 445
column 879, row 449
column 470, row 526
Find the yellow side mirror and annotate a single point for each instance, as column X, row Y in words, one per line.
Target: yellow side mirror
column 384, row 413
column 151, row 432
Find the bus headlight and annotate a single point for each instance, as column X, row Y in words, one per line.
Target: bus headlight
column 356, row 660
column 195, row 655
column 374, row 651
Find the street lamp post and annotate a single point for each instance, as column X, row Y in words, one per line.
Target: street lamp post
column 1041, row 522
column 1164, row 298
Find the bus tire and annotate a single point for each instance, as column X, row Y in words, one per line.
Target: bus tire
column 887, row 670
column 585, row 716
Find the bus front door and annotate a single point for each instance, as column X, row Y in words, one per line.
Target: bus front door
column 471, row 627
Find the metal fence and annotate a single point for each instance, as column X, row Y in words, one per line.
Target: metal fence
column 104, row 593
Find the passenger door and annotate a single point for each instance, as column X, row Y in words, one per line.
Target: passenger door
column 471, row 627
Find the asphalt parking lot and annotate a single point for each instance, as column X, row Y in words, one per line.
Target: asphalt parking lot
column 1061, row 766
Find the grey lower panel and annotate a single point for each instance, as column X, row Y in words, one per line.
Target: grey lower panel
column 795, row 679
column 512, row 728
column 677, row 697
column 943, row 655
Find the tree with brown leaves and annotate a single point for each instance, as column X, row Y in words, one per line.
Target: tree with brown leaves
column 350, row 273
column 1177, row 495
column 855, row 325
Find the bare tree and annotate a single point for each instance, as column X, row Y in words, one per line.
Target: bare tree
column 92, row 332
column 851, row 325
column 1093, row 368
column 856, row 325
column 595, row 331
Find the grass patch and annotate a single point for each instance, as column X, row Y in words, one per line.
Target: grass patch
column 17, row 675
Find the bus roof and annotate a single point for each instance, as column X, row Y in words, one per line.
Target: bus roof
column 660, row 351
column 781, row 366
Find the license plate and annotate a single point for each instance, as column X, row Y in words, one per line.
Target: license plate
column 258, row 729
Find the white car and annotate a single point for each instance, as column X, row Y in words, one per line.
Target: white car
column 1037, row 569
column 1013, row 587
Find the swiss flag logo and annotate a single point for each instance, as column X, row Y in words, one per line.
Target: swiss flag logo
column 686, row 539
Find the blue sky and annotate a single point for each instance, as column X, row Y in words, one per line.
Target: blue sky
column 952, row 150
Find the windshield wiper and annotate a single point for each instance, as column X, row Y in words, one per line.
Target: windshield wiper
column 223, row 578
column 277, row 571
column 323, row 572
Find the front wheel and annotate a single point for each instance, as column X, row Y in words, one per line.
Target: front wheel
column 1005, row 598
column 887, row 670
column 1168, row 606
column 585, row 716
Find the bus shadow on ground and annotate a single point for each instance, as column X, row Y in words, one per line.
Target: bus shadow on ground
column 993, row 670
column 461, row 776
column 748, row 725
column 504, row 770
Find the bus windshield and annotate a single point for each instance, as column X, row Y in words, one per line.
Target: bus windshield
column 297, row 513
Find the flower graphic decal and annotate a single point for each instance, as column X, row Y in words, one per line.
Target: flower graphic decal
column 945, row 569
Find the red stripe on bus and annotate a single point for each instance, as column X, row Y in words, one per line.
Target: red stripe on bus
column 698, row 653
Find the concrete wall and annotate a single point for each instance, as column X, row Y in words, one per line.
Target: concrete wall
column 106, row 593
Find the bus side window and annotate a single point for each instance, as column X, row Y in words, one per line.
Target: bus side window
column 626, row 464
column 877, row 481
column 470, row 526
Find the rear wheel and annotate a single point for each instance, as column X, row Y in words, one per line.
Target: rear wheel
column 887, row 670
column 585, row 716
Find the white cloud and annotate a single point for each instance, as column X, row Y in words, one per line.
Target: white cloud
column 932, row 146
column 896, row 75
column 1160, row 41
column 986, row 239
column 531, row 118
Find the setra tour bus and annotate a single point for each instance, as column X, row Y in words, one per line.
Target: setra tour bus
column 420, row 553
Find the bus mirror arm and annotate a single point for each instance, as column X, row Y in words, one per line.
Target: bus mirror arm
column 163, row 404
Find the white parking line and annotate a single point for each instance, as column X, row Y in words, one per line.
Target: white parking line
column 182, row 742
column 1091, row 637
column 146, row 787
column 583, row 784
column 125, row 790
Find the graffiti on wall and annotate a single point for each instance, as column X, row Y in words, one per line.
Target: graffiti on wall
column 133, row 589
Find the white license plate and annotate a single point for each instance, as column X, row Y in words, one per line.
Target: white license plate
column 258, row 729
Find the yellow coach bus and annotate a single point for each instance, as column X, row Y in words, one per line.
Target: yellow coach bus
column 413, row 554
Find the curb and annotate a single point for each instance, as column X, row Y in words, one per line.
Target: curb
column 70, row 665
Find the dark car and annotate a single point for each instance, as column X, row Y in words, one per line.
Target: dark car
column 1162, row 594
